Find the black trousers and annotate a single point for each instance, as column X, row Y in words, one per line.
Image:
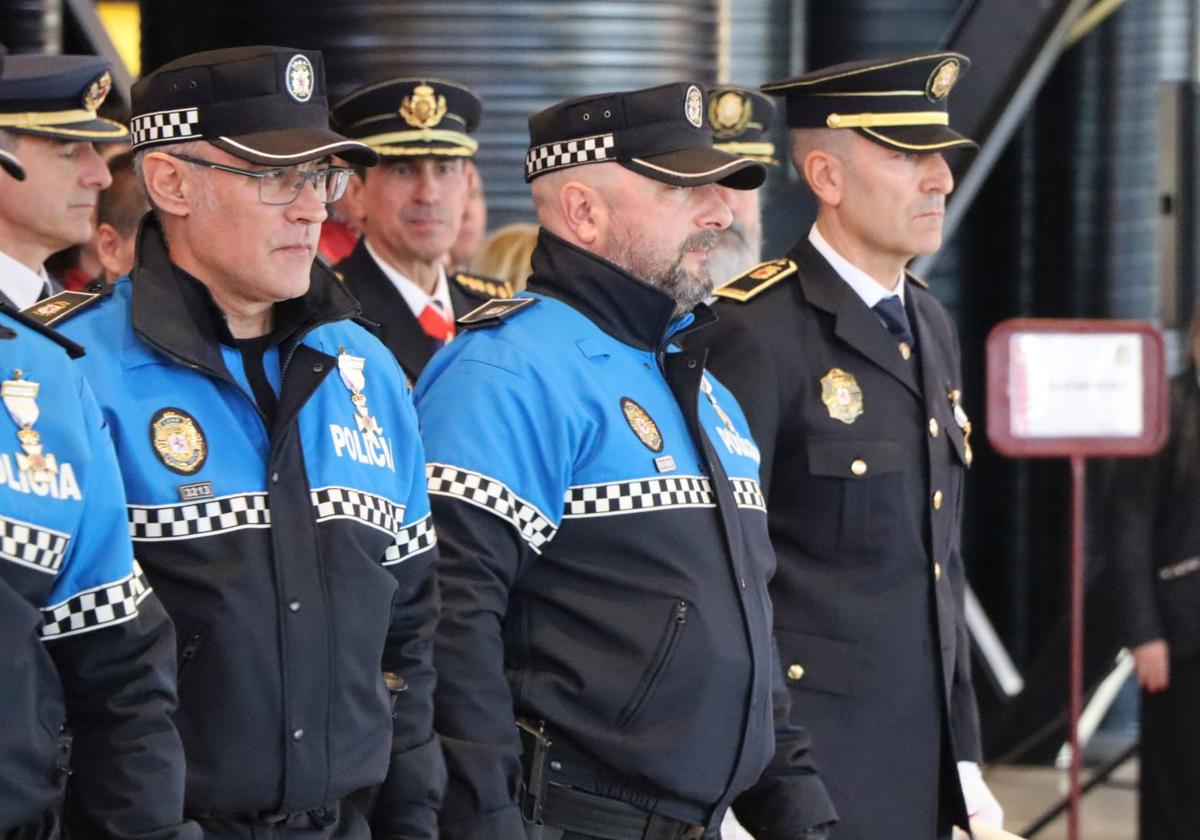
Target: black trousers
column 1168, row 806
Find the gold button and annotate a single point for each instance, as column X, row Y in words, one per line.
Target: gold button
column 905, row 350
column 933, row 427
column 795, row 672
column 859, row 467
column 937, row 571
column 937, row 500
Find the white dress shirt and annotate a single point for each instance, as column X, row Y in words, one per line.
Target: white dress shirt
column 864, row 285
column 23, row 286
column 416, row 297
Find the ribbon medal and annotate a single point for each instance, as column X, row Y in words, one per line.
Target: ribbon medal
column 20, row 398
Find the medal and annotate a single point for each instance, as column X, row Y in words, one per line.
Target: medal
column 351, row 370
column 964, row 423
column 20, row 398
column 707, row 389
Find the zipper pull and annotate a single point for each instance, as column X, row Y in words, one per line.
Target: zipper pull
column 681, row 611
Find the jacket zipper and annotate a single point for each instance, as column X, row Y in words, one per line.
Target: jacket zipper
column 679, row 616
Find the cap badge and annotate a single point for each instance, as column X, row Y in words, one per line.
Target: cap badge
column 299, row 78
column 642, row 424
column 942, row 80
column 97, row 92
column 841, row 395
column 424, row 109
column 729, row 113
column 693, row 107
column 178, row 440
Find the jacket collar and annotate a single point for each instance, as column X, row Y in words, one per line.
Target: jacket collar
column 630, row 310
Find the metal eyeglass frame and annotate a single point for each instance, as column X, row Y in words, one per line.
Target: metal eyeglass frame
column 306, row 177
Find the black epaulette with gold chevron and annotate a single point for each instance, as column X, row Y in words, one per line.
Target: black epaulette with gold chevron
column 489, row 286
column 61, row 306
column 758, row 279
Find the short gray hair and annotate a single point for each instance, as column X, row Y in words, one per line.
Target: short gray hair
column 190, row 147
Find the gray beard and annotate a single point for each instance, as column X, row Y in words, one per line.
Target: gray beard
column 735, row 252
column 686, row 289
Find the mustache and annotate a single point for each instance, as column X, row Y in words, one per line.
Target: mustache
column 705, row 240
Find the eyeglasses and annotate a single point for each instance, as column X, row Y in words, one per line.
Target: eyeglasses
column 283, row 185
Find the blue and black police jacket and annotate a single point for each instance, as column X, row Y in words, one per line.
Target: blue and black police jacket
column 85, row 642
column 605, row 559
column 297, row 562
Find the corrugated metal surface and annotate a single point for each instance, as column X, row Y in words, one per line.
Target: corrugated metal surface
column 29, row 26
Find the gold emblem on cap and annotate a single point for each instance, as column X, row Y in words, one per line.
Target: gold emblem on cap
column 729, row 113
column 97, row 92
column 424, row 109
column 693, row 107
column 841, row 395
column 178, row 440
column 299, row 78
column 942, row 79
column 642, row 424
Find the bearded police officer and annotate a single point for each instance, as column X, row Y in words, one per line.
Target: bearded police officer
column 274, row 475
column 412, row 208
column 849, row 371
column 596, row 492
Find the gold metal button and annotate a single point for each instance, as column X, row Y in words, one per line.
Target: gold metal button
column 937, row 500
column 859, row 467
column 795, row 672
column 933, row 427
column 937, row 571
column 905, row 351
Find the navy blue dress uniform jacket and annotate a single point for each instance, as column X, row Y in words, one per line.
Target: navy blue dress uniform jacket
column 865, row 519
column 605, row 562
column 297, row 562
column 85, row 642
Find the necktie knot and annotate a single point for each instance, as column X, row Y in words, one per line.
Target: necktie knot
column 436, row 325
column 891, row 311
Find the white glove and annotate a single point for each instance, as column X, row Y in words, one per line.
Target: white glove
column 981, row 804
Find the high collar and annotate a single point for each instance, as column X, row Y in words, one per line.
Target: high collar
column 630, row 310
column 175, row 313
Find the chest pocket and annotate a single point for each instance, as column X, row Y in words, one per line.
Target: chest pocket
column 857, row 481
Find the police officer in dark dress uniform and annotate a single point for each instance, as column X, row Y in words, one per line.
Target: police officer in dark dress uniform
column 596, row 492
column 412, row 207
column 849, row 372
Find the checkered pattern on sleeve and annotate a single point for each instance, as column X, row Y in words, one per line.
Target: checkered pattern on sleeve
column 639, row 495
column 748, row 494
column 94, row 609
column 189, row 520
column 367, row 508
column 40, row 549
column 410, row 541
column 550, row 156
column 165, row 126
column 479, row 490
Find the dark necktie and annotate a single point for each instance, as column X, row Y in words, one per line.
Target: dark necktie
column 891, row 311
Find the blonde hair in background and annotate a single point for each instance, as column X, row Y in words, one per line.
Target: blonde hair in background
column 506, row 252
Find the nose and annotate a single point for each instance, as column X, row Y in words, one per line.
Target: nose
column 93, row 172
column 714, row 213
column 427, row 185
column 308, row 207
column 937, row 177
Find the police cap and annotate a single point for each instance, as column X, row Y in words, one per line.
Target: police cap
column 900, row 103
column 263, row 104
column 7, row 161
column 57, row 96
column 412, row 117
column 659, row 132
column 741, row 120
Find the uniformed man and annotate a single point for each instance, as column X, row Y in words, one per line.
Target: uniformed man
column 274, row 475
column 411, row 207
column 48, row 120
column 849, row 371
column 605, row 548
column 741, row 121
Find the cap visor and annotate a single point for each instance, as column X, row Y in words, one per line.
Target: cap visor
column 11, row 165
column 98, row 130
column 697, row 167
column 922, row 139
column 288, row 146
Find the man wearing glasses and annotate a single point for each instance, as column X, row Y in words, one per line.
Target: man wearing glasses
column 275, row 479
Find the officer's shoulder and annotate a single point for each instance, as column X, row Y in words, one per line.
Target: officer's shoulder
column 58, row 309
column 482, row 287
column 495, row 312
column 17, row 326
column 749, row 284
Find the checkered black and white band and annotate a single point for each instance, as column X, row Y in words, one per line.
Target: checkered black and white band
column 748, row 494
column 176, row 126
column 550, row 156
column 367, row 508
column 188, row 520
column 643, row 494
column 479, row 490
column 410, row 541
column 40, row 549
column 103, row 606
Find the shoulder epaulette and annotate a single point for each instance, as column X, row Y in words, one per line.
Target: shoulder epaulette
column 915, row 279
column 758, row 279
column 58, row 307
column 479, row 284
column 493, row 312
column 73, row 350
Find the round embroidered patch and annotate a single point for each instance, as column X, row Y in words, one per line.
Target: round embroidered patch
column 178, row 440
column 299, row 78
column 642, row 424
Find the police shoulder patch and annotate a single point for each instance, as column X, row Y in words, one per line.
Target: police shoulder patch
column 493, row 312
column 58, row 307
column 757, row 280
column 481, row 285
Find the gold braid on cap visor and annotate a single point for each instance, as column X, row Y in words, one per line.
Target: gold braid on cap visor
column 896, row 120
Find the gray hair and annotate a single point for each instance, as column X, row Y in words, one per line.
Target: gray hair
column 190, row 147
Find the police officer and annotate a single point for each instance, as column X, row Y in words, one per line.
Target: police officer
column 596, row 492
column 412, row 208
column 274, row 475
column 741, row 122
column 48, row 120
column 849, row 371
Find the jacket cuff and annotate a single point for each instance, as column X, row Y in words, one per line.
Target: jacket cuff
column 787, row 809
column 411, row 795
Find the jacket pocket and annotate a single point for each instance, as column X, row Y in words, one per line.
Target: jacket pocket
column 818, row 664
column 658, row 665
column 856, row 478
